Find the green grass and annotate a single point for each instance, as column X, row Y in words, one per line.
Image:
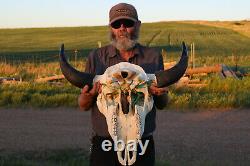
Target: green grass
column 220, row 93
column 38, row 95
column 42, row 44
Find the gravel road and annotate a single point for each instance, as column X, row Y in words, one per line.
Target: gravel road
column 216, row 136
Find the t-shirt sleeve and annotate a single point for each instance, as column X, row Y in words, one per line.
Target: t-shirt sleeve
column 160, row 63
column 90, row 64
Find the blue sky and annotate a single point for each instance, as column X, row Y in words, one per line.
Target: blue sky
column 54, row 13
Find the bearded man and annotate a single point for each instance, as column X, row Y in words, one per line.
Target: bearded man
column 124, row 32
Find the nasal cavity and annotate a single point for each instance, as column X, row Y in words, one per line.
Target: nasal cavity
column 124, row 74
column 124, row 102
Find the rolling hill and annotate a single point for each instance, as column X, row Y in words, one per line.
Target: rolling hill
column 43, row 43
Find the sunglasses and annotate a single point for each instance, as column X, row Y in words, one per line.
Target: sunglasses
column 126, row 23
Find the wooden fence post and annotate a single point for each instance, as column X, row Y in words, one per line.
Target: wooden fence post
column 192, row 55
column 169, row 39
column 99, row 44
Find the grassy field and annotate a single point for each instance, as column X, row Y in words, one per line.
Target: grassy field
column 40, row 45
column 220, row 93
column 242, row 27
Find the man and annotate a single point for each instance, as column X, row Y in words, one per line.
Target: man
column 124, row 32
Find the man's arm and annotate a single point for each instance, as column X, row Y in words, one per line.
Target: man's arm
column 88, row 96
column 160, row 94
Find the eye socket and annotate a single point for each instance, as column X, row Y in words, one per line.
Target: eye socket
column 109, row 95
column 112, row 95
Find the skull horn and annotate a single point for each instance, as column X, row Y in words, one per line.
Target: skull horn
column 75, row 77
column 172, row 75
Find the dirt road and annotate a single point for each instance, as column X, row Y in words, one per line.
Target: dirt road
column 203, row 136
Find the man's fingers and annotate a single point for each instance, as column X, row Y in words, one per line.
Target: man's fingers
column 154, row 88
column 99, row 88
column 158, row 91
column 163, row 89
column 92, row 91
column 95, row 88
column 85, row 89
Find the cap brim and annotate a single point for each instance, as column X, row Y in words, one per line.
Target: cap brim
column 122, row 17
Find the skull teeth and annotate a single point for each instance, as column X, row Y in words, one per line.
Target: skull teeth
column 114, row 123
column 138, row 125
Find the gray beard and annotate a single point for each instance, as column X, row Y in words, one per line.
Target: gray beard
column 124, row 44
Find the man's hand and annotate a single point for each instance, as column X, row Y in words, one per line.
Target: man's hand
column 154, row 90
column 160, row 96
column 87, row 97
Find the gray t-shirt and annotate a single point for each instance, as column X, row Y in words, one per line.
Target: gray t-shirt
column 100, row 59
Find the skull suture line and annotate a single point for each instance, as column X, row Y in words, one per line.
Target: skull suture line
column 125, row 102
column 125, row 98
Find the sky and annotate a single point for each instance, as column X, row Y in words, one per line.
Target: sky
column 69, row 13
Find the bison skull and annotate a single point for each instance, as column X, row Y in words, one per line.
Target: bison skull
column 125, row 102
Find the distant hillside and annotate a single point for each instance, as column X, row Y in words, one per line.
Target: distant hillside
column 43, row 43
column 242, row 27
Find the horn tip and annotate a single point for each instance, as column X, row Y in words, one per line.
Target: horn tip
column 184, row 45
column 62, row 46
column 184, row 48
column 62, row 49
